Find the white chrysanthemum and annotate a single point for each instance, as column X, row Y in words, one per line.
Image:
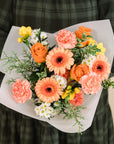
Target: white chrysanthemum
column 37, row 110
column 34, row 40
column 34, row 37
column 47, row 115
column 42, row 112
column 62, row 81
column 54, row 113
column 45, row 105
column 45, row 110
column 89, row 60
column 35, row 32
column 43, row 35
column 51, row 111
column 56, row 103
column 44, row 43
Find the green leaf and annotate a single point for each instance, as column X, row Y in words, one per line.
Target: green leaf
column 41, row 75
column 78, row 40
column 79, row 45
column 89, row 36
column 84, row 35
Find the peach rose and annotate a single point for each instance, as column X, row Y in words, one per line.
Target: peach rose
column 81, row 30
column 91, row 83
column 78, row 71
column 39, row 52
column 66, row 39
column 21, row 91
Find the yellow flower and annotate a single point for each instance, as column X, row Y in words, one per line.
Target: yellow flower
column 68, row 92
column 19, row 40
column 91, row 41
column 69, row 87
column 64, row 95
column 25, row 32
column 71, row 96
column 76, row 90
column 100, row 46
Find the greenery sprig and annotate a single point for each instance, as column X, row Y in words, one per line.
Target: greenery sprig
column 107, row 83
column 70, row 111
column 81, row 53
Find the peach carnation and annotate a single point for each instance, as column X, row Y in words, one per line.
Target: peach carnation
column 91, row 83
column 78, row 99
column 59, row 59
column 66, row 39
column 21, row 91
column 78, row 71
column 101, row 66
column 48, row 90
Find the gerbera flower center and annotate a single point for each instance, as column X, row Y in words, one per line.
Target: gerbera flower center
column 48, row 89
column 99, row 67
column 59, row 59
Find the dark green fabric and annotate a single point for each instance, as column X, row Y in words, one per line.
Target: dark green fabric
column 50, row 16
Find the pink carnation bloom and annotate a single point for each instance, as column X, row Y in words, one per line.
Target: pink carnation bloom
column 21, row 91
column 91, row 83
column 78, row 99
column 66, row 39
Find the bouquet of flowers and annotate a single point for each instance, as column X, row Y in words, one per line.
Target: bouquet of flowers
column 60, row 77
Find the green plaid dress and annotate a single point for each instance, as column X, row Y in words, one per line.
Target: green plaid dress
column 50, row 16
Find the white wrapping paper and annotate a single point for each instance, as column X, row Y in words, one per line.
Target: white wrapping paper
column 101, row 32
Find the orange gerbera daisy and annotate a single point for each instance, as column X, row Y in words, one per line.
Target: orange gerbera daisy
column 101, row 66
column 48, row 90
column 59, row 59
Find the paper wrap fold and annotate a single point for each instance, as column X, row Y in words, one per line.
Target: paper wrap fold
column 101, row 32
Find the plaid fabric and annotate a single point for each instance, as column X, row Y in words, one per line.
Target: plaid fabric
column 50, row 16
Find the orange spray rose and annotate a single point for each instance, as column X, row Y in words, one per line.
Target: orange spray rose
column 78, row 33
column 81, row 30
column 39, row 52
column 78, row 71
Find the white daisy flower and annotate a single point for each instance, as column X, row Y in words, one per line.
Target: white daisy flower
column 34, row 37
column 34, row 40
column 37, row 110
column 45, row 110
column 44, row 43
column 43, row 35
column 50, row 110
column 61, row 80
column 42, row 112
column 89, row 61
column 46, row 104
column 54, row 113
column 47, row 115
column 56, row 103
